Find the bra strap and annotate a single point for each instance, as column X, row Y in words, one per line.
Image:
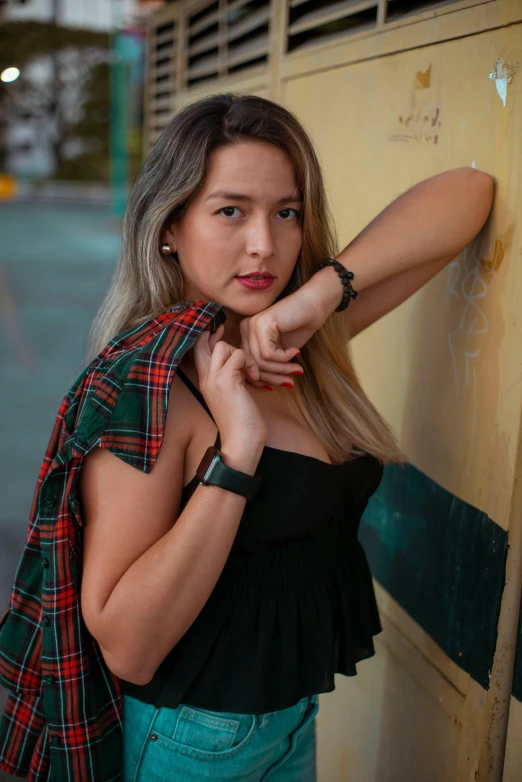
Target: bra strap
column 199, row 396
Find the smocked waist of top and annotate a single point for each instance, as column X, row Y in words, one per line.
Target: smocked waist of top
column 291, row 566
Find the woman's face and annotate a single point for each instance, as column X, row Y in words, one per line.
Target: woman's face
column 244, row 219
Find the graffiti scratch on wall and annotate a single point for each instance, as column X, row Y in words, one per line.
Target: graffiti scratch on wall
column 422, row 125
column 482, row 259
column 468, row 286
column 484, row 255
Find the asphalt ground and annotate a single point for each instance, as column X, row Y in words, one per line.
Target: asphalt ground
column 56, row 262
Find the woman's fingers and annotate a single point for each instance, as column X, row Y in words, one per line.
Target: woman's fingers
column 283, row 368
column 276, row 379
column 257, row 371
column 204, row 349
column 273, row 380
column 272, row 372
column 216, row 336
column 251, row 350
column 238, row 362
column 202, row 353
column 267, row 340
column 251, row 367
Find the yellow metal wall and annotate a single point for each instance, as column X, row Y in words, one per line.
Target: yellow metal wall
column 386, row 110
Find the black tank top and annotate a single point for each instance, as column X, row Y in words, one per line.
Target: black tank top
column 294, row 603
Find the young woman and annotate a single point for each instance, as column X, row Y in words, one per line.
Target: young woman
column 227, row 603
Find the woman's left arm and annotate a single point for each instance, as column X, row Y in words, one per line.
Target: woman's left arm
column 396, row 254
column 406, row 245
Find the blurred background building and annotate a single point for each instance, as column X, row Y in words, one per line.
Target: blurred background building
column 55, row 117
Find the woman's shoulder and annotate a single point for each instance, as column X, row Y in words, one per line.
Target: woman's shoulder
column 122, row 402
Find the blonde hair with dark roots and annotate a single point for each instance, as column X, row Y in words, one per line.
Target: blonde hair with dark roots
column 329, row 398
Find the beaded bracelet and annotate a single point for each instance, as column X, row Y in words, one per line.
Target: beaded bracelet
column 346, row 278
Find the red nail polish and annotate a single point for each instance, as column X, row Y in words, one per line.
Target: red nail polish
column 269, row 388
column 298, row 372
column 288, row 385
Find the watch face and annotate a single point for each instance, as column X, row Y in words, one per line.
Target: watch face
column 206, row 467
column 210, row 469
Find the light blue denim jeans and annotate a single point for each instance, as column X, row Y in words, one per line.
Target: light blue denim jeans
column 189, row 744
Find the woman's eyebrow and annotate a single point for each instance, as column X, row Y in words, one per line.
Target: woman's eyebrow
column 242, row 197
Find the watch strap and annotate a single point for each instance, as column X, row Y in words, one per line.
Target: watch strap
column 213, row 471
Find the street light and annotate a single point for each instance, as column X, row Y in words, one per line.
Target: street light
column 10, row 74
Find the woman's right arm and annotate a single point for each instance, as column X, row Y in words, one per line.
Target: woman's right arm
column 147, row 569
column 146, row 578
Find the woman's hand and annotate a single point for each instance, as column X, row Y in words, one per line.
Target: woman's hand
column 221, row 371
column 273, row 337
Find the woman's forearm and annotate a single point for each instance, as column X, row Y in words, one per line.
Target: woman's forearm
column 435, row 219
column 161, row 594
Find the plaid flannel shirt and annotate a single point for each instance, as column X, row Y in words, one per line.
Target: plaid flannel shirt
column 63, row 718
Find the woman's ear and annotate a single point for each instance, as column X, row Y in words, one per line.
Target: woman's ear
column 169, row 237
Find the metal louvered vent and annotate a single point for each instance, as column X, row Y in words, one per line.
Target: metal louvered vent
column 397, row 9
column 203, row 41
column 247, row 30
column 162, row 75
column 312, row 22
column 321, row 21
column 226, row 37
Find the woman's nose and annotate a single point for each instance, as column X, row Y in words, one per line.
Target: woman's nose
column 260, row 240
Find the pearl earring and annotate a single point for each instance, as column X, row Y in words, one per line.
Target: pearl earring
column 166, row 249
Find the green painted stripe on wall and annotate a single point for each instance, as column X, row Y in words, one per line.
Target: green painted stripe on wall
column 517, row 675
column 443, row 560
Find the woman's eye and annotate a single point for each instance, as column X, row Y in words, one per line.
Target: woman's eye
column 225, row 208
column 233, row 208
column 295, row 211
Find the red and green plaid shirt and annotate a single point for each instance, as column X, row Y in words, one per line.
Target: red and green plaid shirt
column 63, row 718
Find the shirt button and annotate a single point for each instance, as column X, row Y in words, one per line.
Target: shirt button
column 45, row 562
column 55, row 739
column 49, row 678
column 153, row 737
column 45, row 619
column 49, row 502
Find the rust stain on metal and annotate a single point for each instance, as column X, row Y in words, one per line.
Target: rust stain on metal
column 499, row 250
column 423, row 80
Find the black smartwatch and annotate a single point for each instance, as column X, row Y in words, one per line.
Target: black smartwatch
column 213, row 471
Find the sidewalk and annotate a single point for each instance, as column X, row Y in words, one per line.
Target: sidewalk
column 56, row 262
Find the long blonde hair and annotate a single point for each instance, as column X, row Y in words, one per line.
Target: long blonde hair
column 328, row 398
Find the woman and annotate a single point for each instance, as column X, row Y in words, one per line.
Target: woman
column 226, row 607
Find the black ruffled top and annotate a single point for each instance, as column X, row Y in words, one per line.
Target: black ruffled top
column 295, row 602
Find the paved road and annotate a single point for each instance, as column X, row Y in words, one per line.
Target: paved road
column 56, row 261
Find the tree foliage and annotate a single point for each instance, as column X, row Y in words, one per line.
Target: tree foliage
column 22, row 42
column 70, row 102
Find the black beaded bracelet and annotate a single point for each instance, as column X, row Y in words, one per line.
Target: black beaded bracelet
column 346, row 278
